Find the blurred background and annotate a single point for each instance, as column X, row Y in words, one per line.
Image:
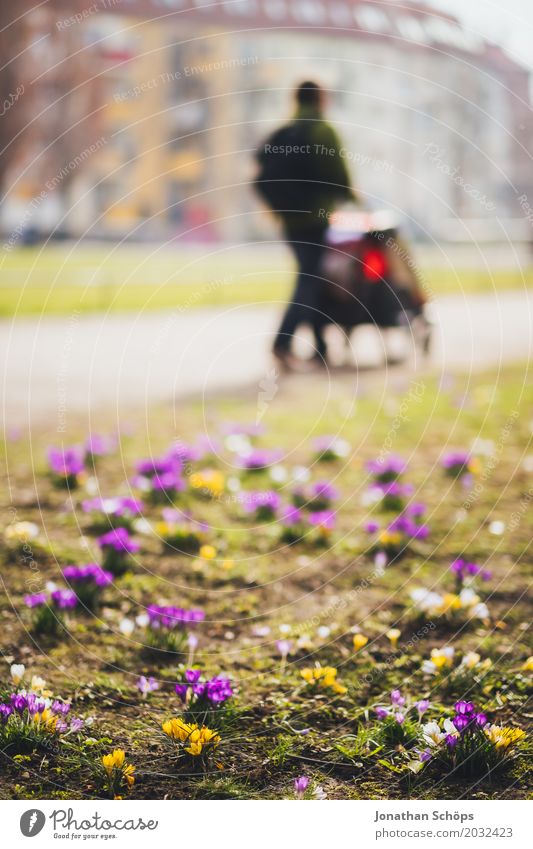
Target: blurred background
column 138, row 118
column 128, row 130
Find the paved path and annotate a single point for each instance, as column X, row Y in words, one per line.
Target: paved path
column 55, row 366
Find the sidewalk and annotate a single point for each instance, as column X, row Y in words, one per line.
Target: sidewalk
column 57, row 366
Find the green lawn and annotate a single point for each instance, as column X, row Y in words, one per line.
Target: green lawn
column 317, row 592
column 60, row 280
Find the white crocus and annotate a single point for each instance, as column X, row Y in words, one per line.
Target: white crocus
column 432, row 733
column 470, row 660
column 126, row 627
column 17, row 672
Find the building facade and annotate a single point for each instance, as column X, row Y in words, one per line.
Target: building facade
column 435, row 121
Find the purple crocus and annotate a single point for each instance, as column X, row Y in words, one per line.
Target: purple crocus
column 381, row 712
column 422, row 706
column 119, row 540
column 323, row 519
column 192, row 676
column 291, row 516
column 170, row 617
column 67, row 462
column 456, row 462
column 60, row 708
column 300, row 786
column 258, row 459
column 387, row 469
column 5, row 712
column 147, row 685
column 461, row 722
column 19, row 702
column 90, row 573
column 98, row 446
column 463, row 569
column 119, row 507
column 64, row 599
column 35, row 600
column 284, row 647
column 397, row 699
column 263, row 503
column 219, row 690
column 464, row 708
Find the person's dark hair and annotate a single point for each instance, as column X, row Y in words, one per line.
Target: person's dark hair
column 308, row 94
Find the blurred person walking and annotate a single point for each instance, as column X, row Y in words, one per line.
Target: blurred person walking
column 303, row 178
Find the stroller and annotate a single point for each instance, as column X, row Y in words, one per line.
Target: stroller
column 370, row 278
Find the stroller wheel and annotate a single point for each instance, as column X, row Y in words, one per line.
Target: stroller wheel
column 423, row 329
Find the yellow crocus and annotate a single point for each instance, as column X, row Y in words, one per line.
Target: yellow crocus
column 127, row 772
column 209, row 481
column 440, row 658
column 46, row 720
column 177, row 729
column 390, row 538
column 114, row 760
column 359, row 641
column 527, row 666
column 503, row 736
column 208, row 552
column 474, row 466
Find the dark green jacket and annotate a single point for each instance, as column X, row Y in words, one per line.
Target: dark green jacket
column 322, row 181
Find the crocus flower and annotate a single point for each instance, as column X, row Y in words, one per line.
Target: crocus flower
column 359, row 641
column 263, row 503
column 331, row 447
column 66, row 463
column 170, row 617
column 381, row 712
column 147, row 685
column 464, row 708
column 300, row 786
column 258, row 459
column 397, row 699
column 19, row 702
column 284, row 647
column 21, row 532
column 218, row 690
column 422, row 706
column 323, row 519
column 387, row 469
column 5, row 712
column 17, row 672
column 119, row 540
column 192, row 676
column 121, row 507
column 35, row 600
column 98, row 446
column 463, row 570
column 64, row 599
column 291, row 516
column 90, row 573
column 393, row 634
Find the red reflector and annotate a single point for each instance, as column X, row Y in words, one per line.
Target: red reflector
column 374, row 265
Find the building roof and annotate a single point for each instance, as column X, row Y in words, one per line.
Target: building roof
column 414, row 22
